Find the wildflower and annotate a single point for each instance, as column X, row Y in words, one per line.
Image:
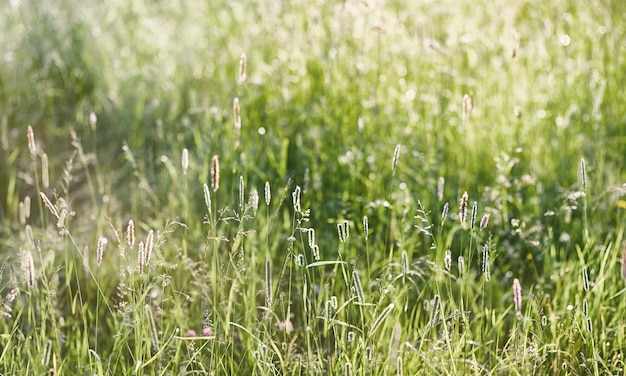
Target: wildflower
column 286, row 326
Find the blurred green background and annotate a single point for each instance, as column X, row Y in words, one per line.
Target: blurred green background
column 332, row 87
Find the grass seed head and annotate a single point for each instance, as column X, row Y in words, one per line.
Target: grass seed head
column 585, row 279
column 461, row 265
column 29, row 269
column 241, row 194
column 141, row 258
column 440, row 188
column 21, row 212
column 185, row 161
column 45, row 174
column 149, row 246
column 254, row 201
column 358, row 288
column 404, row 263
column 27, row 207
column 207, row 197
column 215, row 173
column 93, row 120
column 583, row 176
column 295, row 196
column 32, row 145
column 444, row 212
column 365, row 227
column 241, row 78
column 311, row 237
column 484, row 222
column 434, row 311
column 49, row 206
column 517, row 295
column 381, row 318
column 237, row 119
column 268, row 193
column 394, row 162
column 102, row 241
column 268, row 283
column 447, row 260
column 130, row 234
column 463, row 208
column 486, row 266
column 473, row 216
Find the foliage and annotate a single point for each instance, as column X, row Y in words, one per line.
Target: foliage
column 338, row 239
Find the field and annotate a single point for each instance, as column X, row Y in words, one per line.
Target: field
column 358, row 187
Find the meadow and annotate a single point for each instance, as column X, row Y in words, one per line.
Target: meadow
column 358, row 187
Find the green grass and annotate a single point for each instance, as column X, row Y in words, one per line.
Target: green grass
column 336, row 242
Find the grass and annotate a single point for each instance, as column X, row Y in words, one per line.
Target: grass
column 403, row 188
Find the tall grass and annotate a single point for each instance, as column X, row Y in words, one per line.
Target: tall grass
column 335, row 188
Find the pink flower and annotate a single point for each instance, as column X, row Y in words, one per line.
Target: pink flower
column 285, row 325
column 191, row 333
column 207, row 331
